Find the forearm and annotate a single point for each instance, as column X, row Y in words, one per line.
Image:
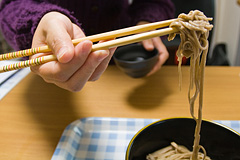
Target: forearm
column 19, row 19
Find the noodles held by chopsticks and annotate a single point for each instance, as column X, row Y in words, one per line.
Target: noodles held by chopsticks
column 194, row 31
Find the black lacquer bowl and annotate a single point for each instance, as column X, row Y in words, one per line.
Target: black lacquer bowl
column 134, row 60
column 220, row 142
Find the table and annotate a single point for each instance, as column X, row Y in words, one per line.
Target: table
column 34, row 114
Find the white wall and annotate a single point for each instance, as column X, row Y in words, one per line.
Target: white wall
column 227, row 27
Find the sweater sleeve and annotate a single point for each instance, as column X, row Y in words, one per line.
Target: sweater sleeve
column 151, row 10
column 19, row 19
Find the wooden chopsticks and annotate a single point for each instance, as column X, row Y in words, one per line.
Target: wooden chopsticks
column 94, row 38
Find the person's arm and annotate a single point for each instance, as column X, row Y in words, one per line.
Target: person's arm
column 53, row 26
column 76, row 64
column 141, row 12
column 19, row 20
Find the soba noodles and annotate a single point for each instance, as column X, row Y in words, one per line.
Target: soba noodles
column 194, row 30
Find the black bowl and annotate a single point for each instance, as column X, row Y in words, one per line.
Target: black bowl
column 220, row 142
column 134, row 60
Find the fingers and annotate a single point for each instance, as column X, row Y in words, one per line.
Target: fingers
column 85, row 72
column 156, row 42
column 148, row 44
column 163, row 54
column 61, row 43
column 102, row 67
column 85, row 66
column 56, row 30
column 77, row 32
column 61, row 72
column 76, row 64
column 60, row 40
column 162, row 50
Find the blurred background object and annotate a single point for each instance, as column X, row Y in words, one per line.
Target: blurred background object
column 227, row 29
column 4, row 47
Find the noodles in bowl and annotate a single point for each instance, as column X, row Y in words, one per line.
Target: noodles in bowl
column 220, row 142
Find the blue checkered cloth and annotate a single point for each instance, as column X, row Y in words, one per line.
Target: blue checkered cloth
column 100, row 138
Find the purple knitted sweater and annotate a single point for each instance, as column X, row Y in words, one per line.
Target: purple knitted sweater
column 19, row 18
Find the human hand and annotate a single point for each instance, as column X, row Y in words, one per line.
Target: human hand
column 157, row 43
column 76, row 64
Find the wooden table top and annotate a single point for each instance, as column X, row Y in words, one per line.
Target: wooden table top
column 34, row 114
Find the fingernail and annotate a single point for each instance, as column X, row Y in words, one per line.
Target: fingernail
column 61, row 52
column 102, row 54
column 148, row 45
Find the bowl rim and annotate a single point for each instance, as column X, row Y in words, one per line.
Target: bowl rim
column 164, row 119
column 134, row 62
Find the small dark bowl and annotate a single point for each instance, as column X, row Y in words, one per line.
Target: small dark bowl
column 220, row 142
column 134, row 60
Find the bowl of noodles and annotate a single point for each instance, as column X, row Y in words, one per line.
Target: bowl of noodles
column 166, row 137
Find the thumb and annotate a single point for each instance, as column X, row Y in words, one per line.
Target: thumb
column 61, row 44
column 58, row 32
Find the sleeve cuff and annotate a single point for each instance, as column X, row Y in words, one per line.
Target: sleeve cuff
column 28, row 22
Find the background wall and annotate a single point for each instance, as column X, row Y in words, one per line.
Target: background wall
column 227, row 28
